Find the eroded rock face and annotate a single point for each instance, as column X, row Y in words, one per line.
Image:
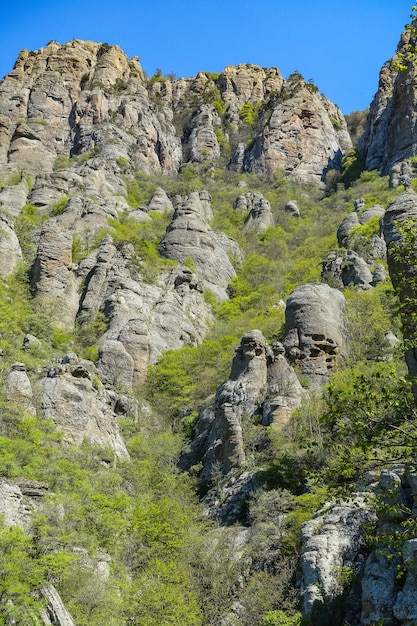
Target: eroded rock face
column 68, row 396
column 69, row 99
column 262, row 384
column 344, row 580
column 142, row 318
column 190, row 236
column 260, row 215
column 391, row 125
column 52, row 278
column 299, row 136
column 314, row 330
column 332, row 543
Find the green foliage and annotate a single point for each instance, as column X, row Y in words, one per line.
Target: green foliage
column 29, row 219
column 369, row 229
column 139, row 190
column 279, row 618
column 145, row 238
column 88, row 333
column 62, row 162
column 13, row 179
column 249, row 113
column 20, row 578
column 185, row 377
column 353, row 163
column 59, row 206
column 157, row 77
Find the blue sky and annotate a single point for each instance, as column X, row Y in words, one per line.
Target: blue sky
column 340, row 45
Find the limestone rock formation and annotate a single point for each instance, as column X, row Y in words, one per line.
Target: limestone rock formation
column 18, row 389
column 261, row 383
column 66, row 100
column 53, row 281
column 343, row 580
column 299, row 135
column 190, row 236
column 332, row 543
column 314, row 330
column 68, row 395
column 260, row 215
column 391, row 124
column 143, row 318
column 347, row 268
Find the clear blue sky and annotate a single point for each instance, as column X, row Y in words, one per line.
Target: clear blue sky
column 340, row 45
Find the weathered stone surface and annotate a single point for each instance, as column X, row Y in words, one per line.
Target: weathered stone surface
column 14, row 507
column 260, row 215
column 292, row 209
column 78, row 408
column 374, row 211
column 10, row 251
column 55, row 612
column 241, row 394
column 332, row 540
column 345, row 227
column 52, row 278
column 17, row 388
column 348, row 268
column 299, row 136
column 160, row 202
column 314, row 330
column 284, row 393
column 391, row 124
column 189, row 235
column 143, row 319
column 261, row 383
column 203, row 141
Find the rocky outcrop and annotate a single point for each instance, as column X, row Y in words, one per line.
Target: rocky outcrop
column 261, row 384
column 67, row 100
column 260, row 215
column 389, row 135
column 189, row 236
column 346, row 580
column 347, row 268
column 142, row 318
column 53, row 281
column 18, row 389
column 300, row 134
column 73, row 397
column 333, row 553
column 314, row 330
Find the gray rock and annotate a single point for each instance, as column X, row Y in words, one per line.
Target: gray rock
column 292, row 209
column 79, row 409
column 314, row 330
column 332, row 542
column 260, row 217
column 18, row 389
column 189, row 235
column 375, row 211
column 160, row 202
column 53, row 281
column 10, row 251
column 345, row 227
column 55, row 612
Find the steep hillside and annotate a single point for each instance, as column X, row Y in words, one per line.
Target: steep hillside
column 206, row 417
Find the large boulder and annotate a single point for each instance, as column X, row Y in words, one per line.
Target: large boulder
column 314, row 330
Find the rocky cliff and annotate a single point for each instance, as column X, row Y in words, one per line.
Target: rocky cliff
column 83, row 98
column 193, row 327
column 389, row 135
